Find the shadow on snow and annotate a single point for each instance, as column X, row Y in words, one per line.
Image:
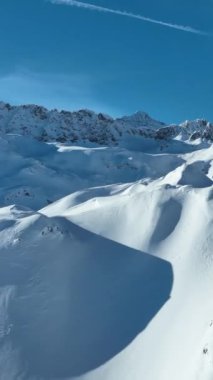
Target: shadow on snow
column 80, row 300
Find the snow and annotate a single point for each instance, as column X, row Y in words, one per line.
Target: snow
column 65, row 290
column 106, row 263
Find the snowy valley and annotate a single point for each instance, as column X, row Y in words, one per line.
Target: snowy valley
column 106, row 246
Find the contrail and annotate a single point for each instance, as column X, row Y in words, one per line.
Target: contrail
column 79, row 4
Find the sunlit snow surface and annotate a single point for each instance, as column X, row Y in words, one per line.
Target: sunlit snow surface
column 106, row 257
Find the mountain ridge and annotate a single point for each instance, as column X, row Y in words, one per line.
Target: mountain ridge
column 87, row 126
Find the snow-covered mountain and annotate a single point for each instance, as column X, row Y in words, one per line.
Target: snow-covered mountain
column 87, row 126
column 106, row 236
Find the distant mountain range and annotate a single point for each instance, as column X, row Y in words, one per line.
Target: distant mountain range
column 86, row 125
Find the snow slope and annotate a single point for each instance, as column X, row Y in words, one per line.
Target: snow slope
column 106, row 261
column 71, row 300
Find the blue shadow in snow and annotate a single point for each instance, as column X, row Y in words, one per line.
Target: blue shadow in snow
column 80, row 301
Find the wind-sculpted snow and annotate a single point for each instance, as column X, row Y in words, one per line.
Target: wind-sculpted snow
column 71, row 300
column 106, row 236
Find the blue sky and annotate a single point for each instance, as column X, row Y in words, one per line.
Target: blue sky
column 67, row 57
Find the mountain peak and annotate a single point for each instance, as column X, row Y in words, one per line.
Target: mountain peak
column 141, row 119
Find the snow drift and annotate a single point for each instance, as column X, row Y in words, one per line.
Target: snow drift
column 106, row 263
